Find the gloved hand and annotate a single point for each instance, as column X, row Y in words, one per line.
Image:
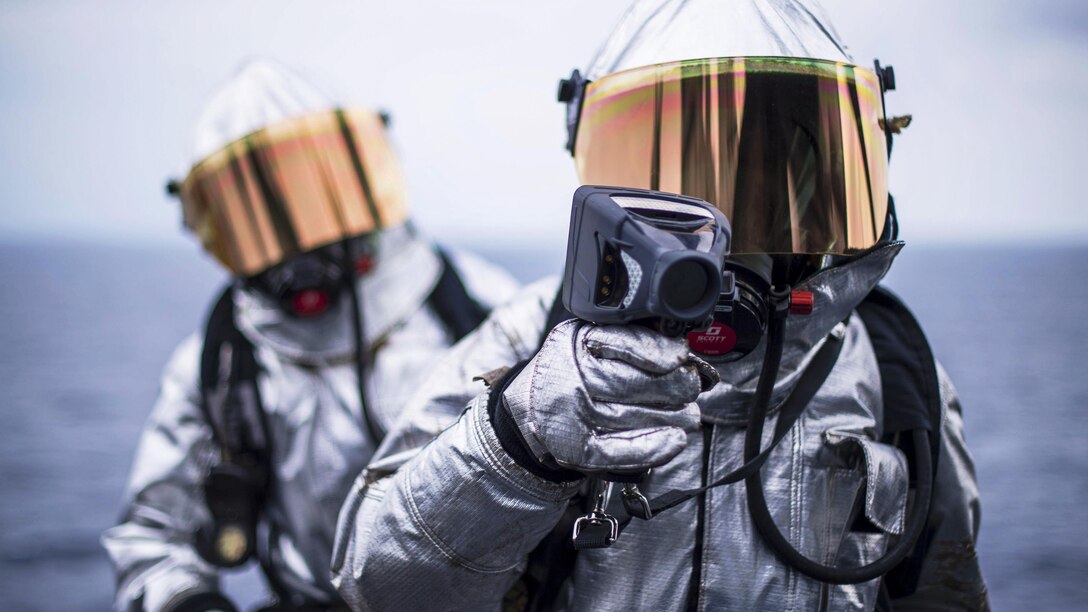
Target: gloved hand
column 608, row 398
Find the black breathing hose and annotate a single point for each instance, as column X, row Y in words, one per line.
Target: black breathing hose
column 361, row 362
column 757, row 503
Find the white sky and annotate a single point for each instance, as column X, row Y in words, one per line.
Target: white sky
column 98, row 100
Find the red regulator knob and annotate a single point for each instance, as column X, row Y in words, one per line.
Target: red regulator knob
column 802, row 302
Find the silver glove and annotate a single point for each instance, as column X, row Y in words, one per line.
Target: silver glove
column 608, row 398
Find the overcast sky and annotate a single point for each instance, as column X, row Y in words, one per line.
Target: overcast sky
column 98, row 100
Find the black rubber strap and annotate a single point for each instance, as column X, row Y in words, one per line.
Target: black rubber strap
column 811, row 381
column 362, row 357
column 199, row 602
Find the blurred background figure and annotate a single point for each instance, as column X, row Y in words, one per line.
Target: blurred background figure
column 99, row 101
column 338, row 309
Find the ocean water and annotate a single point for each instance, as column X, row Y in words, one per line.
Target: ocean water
column 85, row 331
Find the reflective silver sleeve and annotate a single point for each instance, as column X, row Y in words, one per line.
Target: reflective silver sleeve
column 951, row 578
column 152, row 550
column 451, row 530
column 511, row 334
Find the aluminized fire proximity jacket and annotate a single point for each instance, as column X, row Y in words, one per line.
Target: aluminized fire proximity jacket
column 449, row 525
column 319, row 445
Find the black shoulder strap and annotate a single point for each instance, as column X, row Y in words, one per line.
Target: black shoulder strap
column 908, row 372
column 218, row 329
column 234, row 487
column 230, row 398
column 451, row 302
column 912, row 400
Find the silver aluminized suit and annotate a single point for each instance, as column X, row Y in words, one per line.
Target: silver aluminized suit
column 318, row 442
column 449, row 527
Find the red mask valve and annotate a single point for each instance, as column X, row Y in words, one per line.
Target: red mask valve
column 310, row 302
column 802, row 302
column 364, row 265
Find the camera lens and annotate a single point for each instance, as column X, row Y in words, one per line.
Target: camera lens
column 684, row 285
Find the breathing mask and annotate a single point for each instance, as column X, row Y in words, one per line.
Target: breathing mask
column 309, row 284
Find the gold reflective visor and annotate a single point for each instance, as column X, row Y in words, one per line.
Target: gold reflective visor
column 791, row 151
column 294, row 186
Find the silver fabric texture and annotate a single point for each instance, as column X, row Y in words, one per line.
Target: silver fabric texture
column 449, row 527
column 607, row 398
column 660, row 31
column 319, row 446
column 262, row 91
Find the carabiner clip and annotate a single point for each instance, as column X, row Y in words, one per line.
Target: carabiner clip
column 597, row 529
column 636, row 503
